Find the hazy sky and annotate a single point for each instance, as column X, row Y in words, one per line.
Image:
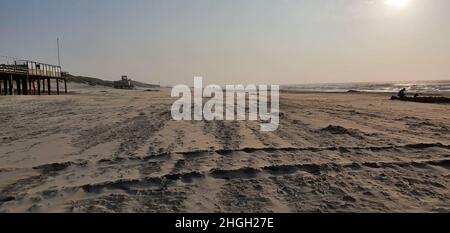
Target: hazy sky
column 233, row 41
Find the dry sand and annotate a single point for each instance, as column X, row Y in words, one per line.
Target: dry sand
column 105, row 150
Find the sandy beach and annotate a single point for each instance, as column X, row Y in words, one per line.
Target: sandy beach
column 105, row 150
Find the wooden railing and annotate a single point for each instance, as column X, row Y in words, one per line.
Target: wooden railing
column 20, row 70
column 12, row 69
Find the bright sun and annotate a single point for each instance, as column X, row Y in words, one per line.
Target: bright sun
column 396, row 3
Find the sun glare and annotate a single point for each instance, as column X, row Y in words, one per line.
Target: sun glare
column 396, row 3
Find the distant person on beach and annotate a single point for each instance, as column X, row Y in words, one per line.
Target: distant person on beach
column 402, row 93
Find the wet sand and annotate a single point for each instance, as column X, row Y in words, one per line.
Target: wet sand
column 106, row 150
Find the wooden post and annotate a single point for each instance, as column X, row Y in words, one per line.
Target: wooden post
column 43, row 84
column 18, row 87
column 57, row 86
column 33, row 85
column 48, row 87
column 30, row 85
column 5, row 86
column 11, row 85
column 65, row 85
column 25, row 86
column 39, row 85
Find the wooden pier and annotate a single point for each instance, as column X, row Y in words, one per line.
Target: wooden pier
column 30, row 78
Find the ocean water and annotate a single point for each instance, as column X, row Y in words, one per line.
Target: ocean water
column 441, row 86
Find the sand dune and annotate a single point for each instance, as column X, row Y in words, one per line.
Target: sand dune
column 106, row 150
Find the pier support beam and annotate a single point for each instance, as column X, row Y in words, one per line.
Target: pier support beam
column 39, row 85
column 49, row 87
column 10, row 82
column 33, row 85
column 30, row 85
column 57, row 86
column 5, row 86
column 18, row 87
column 24, row 86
